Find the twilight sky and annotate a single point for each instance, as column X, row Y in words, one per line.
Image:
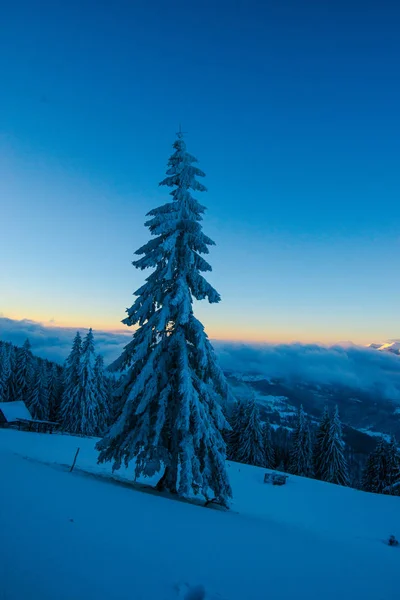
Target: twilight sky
column 292, row 109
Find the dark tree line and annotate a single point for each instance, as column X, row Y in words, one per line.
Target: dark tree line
column 249, row 441
column 78, row 395
column 382, row 471
column 35, row 381
column 320, row 454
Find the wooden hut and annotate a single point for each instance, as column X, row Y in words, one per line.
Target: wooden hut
column 10, row 412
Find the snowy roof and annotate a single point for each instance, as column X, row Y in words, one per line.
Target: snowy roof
column 14, row 410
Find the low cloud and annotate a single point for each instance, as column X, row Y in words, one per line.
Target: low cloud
column 55, row 343
column 354, row 366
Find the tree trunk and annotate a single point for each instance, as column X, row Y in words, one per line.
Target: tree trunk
column 167, row 482
column 162, row 481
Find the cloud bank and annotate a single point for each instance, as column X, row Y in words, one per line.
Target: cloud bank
column 55, row 343
column 354, row 366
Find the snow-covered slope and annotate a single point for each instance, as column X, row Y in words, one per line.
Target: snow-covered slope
column 74, row 536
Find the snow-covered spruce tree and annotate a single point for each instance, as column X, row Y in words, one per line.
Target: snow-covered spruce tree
column 378, row 465
column 172, row 418
column 269, row 451
column 38, row 401
column 103, row 398
column 368, row 479
column 301, row 451
column 11, row 391
column 85, row 412
column 333, row 466
column 382, row 469
column 321, row 443
column 282, row 447
column 4, row 371
column 355, row 469
column 24, row 372
column 110, row 386
column 71, row 379
column 115, row 396
column 393, row 467
column 235, row 434
column 55, row 391
column 251, row 445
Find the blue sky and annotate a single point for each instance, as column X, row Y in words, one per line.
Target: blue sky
column 292, row 110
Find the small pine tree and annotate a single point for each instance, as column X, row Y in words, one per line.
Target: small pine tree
column 381, row 466
column 382, row 469
column 24, row 372
column 393, row 467
column 356, row 465
column 251, row 444
column 269, row 452
column 333, row 462
column 4, row 371
column 55, row 391
column 368, row 479
column 301, row 452
column 235, row 434
column 172, row 419
column 103, row 399
column 39, row 393
column 86, row 414
column 320, row 446
column 282, row 446
column 70, row 397
column 11, row 391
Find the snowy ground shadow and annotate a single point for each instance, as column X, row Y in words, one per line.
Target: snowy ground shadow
column 185, row 591
column 123, row 482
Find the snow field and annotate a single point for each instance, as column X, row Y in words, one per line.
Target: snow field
column 69, row 536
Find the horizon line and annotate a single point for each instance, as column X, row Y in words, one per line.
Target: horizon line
column 125, row 330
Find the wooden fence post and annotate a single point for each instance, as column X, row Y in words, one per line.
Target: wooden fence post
column 73, row 464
